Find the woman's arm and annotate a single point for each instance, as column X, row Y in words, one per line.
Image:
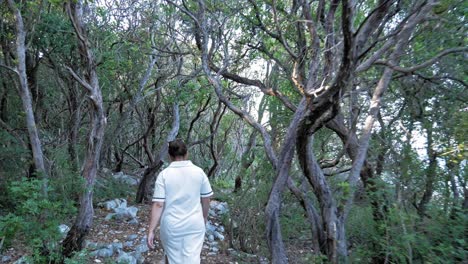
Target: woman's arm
column 205, row 206
column 156, row 212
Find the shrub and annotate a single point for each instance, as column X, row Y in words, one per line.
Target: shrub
column 35, row 218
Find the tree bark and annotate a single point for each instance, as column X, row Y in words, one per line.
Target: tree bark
column 430, row 172
column 25, row 94
column 84, row 220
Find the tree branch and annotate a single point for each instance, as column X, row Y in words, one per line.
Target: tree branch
column 424, row 64
column 83, row 83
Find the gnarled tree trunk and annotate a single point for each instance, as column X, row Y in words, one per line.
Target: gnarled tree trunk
column 75, row 237
column 25, row 93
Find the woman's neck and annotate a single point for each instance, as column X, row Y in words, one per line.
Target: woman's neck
column 178, row 158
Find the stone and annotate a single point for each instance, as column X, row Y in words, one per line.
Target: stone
column 214, row 249
column 211, row 213
column 221, row 229
column 132, row 237
column 127, row 179
column 134, row 221
column 128, row 244
column 143, row 239
column 102, row 253
column 222, row 207
column 126, row 258
column 63, row 229
column 109, row 216
column 211, row 238
column 6, row 259
column 210, row 228
column 213, row 244
column 142, row 248
column 112, row 204
column 132, row 211
column 218, row 235
column 91, row 245
column 116, row 246
column 124, row 213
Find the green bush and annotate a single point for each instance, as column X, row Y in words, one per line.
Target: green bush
column 35, row 218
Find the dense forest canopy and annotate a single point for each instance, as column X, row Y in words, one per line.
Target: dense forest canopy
column 337, row 127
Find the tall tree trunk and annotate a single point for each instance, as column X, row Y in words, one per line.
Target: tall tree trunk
column 217, row 116
column 25, row 93
column 322, row 190
column 379, row 207
column 318, row 240
column 430, row 172
column 272, row 210
column 75, row 237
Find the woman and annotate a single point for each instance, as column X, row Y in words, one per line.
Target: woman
column 176, row 202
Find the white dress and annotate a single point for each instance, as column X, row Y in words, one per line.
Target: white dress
column 180, row 186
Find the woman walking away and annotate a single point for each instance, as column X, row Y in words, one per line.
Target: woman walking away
column 176, row 202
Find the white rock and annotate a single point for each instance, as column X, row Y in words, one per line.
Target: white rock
column 214, row 249
column 103, row 253
column 211, row 238
column 91, row 245
column 142, row 248
column 128, row 244
column 120, row 176
column 63, row 229
column 218, row 235
column 210, row 228
column 126, row 258
column 109, row 216
column 109, row 205
column 132, row 237
column 134, row 221
column 222, row 207
column 211, row 213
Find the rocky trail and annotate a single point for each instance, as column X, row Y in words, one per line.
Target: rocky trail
column 119, row 233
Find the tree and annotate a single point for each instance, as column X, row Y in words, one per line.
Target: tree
column 383, row 32
column 90, row 82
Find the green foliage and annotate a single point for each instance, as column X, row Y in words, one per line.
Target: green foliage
column 245, row 219
column 35, row 218
column 80, row 257
column 107, row 188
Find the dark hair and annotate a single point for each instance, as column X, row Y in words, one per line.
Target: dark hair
column 177, row 148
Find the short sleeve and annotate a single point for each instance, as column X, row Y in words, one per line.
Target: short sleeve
column 159, row 194
column 206, row 190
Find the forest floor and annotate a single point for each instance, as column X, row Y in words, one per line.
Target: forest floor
column 106, row 232
column 120, row 237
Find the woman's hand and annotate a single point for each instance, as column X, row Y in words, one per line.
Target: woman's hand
column 150, row 240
